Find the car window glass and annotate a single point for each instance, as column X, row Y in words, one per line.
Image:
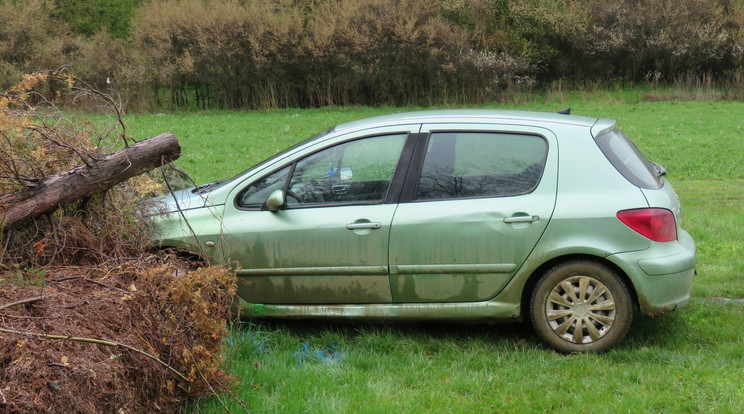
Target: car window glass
column 628, row 159
column 255, row 195
column 355, row 171
column 481, row 164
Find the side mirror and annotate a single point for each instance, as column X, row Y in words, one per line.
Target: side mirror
column 276, row 201
column 345, row 174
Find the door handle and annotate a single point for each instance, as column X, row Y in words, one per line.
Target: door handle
column 363, row 226
column 522, row 219
column 340, row 189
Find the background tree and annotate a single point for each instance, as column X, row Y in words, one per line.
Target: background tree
column 86, row 17
column 31, row 41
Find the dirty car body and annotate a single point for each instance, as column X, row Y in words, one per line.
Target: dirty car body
column 464, row 215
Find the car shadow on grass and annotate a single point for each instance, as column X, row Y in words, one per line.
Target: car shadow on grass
column 501, row 335
column 670, row 332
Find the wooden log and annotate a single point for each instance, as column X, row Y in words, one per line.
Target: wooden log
column 84, row 181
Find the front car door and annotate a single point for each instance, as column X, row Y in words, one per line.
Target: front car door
column 330, row 243
column 482, row 198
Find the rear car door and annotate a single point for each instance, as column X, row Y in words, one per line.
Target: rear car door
column 472, row 211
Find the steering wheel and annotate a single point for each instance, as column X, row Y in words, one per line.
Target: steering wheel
column 289, row 193
column 308, row 192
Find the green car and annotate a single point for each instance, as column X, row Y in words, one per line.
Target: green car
column 457, row 215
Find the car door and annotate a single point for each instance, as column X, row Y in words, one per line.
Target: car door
column 330, row 242
column 467, row 221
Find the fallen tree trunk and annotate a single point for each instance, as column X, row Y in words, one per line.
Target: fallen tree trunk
column 84, row 181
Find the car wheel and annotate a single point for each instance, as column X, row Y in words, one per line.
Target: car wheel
column 581, row 306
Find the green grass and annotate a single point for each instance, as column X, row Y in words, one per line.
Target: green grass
column 713, row 213
column 219, row 145
column 694, row 140
column 690, row 361
column 670, row 364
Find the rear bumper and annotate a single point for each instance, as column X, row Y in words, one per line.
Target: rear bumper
column 661, row 275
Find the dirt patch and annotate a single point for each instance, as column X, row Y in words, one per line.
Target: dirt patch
column 138, row 337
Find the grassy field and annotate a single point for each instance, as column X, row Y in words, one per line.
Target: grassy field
column 691, row 360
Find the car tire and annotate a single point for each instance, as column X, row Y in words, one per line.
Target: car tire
column 581, row 306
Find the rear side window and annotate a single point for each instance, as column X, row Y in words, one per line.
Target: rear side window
column 481, row 164
column 629, row 160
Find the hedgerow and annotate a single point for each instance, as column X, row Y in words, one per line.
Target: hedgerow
column 297, row 53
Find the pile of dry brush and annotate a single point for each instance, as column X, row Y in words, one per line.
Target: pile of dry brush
column 91, row 320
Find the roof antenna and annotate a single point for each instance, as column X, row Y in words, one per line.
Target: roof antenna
column 566, row 111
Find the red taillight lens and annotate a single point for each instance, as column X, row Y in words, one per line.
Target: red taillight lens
column 656, row 224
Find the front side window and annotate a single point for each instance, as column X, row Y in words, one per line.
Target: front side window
column 352, row 172
column 481, row 164
column 254, row 196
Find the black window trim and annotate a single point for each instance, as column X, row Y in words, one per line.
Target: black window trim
column 406, row 164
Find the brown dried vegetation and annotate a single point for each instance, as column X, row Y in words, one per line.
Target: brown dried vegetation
column 290, row 53
column 90, row 320
column 80, row 347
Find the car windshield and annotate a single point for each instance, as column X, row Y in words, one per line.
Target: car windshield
column 629, row 160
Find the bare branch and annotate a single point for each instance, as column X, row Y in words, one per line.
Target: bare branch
column 21, row 302
column 87, row 279
column 96, row 341
column 183, row 216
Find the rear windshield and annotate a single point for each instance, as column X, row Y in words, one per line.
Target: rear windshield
column 628, row 159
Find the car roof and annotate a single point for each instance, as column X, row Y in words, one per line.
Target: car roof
column 470, row 115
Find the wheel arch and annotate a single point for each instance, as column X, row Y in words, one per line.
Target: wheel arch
column 181, row 252
column 534, row 277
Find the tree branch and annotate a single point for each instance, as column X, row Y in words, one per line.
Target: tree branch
column 84, row 181
column 99, row 342
column 21, row 302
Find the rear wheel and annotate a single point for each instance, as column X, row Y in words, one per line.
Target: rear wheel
column 581, row 306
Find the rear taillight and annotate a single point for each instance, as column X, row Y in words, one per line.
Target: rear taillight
column 656, row 224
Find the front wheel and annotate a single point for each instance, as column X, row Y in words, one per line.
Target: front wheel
column 581, row 306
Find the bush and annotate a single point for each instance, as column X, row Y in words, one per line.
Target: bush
column 380, row 51
column 297, row 53
column 87, row 18
column 337, row 52
column 30, row 40
column 668, row 37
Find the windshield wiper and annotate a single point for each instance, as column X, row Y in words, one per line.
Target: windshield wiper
column 206, row 187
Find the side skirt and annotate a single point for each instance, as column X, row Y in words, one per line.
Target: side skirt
column 488, row 311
